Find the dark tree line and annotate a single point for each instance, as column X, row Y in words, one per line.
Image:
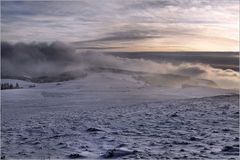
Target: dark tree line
column 9, row 86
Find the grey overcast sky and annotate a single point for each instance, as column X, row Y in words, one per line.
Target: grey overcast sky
column 129, row 25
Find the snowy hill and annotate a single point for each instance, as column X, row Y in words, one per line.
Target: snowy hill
column 116, row 115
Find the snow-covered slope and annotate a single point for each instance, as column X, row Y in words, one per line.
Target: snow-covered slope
column 111, row 115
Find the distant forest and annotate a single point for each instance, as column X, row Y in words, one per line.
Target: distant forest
column 9, row 86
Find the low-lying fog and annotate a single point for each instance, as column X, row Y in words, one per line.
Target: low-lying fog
column 43, row 59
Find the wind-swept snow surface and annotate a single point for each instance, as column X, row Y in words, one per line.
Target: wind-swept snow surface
column 110, row 115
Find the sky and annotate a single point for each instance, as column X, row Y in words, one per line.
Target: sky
column 125, row 25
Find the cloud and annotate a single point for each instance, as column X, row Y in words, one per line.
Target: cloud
column 94, row 47
column 44, row 59
column 142, row 4
column 129, row 35
column 77, row 21
column 191, row 71
column 35, row 59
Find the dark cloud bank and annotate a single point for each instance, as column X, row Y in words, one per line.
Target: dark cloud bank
column 36, row 60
